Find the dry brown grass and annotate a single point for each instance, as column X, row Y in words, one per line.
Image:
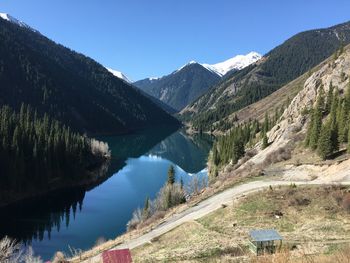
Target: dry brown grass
column 312, row 221
column 340, row 256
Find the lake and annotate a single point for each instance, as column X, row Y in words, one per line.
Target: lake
column 79, row 217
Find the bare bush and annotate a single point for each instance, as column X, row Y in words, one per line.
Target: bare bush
column 338, row 196
column 196, row 185
column 100, row 148
column 154, row 218
column 12, row 251
column 59, row 257
column 28, row 257
column 74, row 252
column 346, row 202
column 281, row 154
column 168, row 196
column 251, row 153
column 100, row 241
column 135, row 219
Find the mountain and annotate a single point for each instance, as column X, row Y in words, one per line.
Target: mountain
column 284, row 63
column 167, row 108
column 159, row 103
column 192, row 80
column 236, row 63
column 13, row 20
column 120, row 75
column 69, row 86
column 180, row 87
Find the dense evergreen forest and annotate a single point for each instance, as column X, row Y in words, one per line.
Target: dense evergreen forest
column 231, row 147
column 36, row 152
column 69, row 86
column 328, row 129
column 278, row 67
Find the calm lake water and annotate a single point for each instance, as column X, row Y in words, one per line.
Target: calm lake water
column 79, row 217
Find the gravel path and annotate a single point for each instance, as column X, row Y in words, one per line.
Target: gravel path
column 203, row 208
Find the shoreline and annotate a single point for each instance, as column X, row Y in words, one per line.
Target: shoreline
column 93, row 177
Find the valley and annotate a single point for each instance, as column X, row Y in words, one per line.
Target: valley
column 181, row 167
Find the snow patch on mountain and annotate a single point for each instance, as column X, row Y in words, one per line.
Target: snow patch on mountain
column 189, row 63
column 120, row 75
column 238, row 62
column 16, row 21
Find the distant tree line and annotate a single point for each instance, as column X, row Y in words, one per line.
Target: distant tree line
column 329, row 124
column 35, row 151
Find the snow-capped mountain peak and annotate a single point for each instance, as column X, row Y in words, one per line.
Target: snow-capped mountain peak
column 189, row 63
column 120, row 75
column 16, row 21
column 238, row 62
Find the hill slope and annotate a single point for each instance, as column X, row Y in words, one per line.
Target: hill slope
column 69, row 86
column 278, row 67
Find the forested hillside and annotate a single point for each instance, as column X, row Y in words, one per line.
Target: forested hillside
column 37, row 151
column 69, row 86
column 278, row 67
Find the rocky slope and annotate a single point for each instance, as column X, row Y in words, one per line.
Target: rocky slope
column 292, row 125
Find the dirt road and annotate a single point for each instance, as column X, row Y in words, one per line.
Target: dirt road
column 203, row 208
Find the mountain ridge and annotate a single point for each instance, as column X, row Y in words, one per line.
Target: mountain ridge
column 120, row 75
column 183, row 85
column 180, row 87
column 293, row 57
column 69, row 86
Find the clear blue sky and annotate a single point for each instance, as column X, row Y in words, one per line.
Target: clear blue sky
column 145, row 38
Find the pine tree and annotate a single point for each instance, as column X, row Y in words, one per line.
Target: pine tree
column 33, row 150
column 348, row 147
column 146, row 208
column 334, row 126
column 310, row 128
column 329, row 98
column 216, row 158
column 265, row 141
column 342, row 123
column 347, row 99
column 325, row 147
column 171, row 175
column 266, row 123
column 238, row 150
column 317, row 120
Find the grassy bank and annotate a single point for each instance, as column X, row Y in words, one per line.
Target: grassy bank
column 312, row 220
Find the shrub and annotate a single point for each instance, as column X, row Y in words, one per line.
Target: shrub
column 100, row 241
column 346, row 202
column 196, row 185
column 281, row 154
column 12, row 251
column 168, row 196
